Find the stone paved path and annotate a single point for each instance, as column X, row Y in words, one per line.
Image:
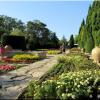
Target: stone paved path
column 15, row 81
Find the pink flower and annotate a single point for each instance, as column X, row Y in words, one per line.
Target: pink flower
column 7, row 67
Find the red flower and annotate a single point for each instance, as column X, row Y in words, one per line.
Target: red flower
column 7, row 67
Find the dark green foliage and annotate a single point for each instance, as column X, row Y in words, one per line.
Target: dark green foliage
column 36, row 33
column 89, row 44
column 71, row 41
column 76, row 39
column 39, row 36
column 82, row 35
column 64, row 41
column 16, row 42
column 7, row 24
column 53, row 41
column 89, row 33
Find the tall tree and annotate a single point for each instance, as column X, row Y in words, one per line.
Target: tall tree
column 64, row 41
column 17, row 32
column 31, row 36
column 54, row 41
column 91, row 33
column 71, row 41
column 36, row 32
column 76, row 39
column 82, row 35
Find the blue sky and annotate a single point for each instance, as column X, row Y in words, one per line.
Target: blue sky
column 62, row 17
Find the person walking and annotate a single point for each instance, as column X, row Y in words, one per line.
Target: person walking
column 62, row 48
column 2, row 51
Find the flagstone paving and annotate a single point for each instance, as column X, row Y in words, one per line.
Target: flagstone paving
column 15, row 81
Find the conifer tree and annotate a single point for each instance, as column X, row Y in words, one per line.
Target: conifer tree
column 71, row 41
column 89, row 33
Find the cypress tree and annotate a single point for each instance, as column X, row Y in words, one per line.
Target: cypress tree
column 81, row 39
column 71, row 42
column 89, row 33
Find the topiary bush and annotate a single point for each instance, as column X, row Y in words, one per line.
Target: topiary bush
column 16, row 42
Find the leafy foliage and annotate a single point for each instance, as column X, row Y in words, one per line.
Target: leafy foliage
column 39, row 36
column 72, row 85
column 36, row 33
column 74, row 77
column 89, row 32
column 17, row 32
column 71, row 62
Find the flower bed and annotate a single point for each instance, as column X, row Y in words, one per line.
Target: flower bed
column 74, row 77
column 22, row 58
column 75, row 50
column 81, row 85
column 53, row 52
column 8, row 60
column 69, row 63
column 7, row 67
column 25, row 57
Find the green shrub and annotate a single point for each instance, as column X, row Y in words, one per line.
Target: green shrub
column 79, row 62
column 69, row 63
column 73, row 85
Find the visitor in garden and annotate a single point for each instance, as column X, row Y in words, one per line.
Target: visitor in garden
column 62, row 48
column 2, row 51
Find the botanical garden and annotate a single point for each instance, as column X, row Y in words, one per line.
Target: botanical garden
column 35, row 64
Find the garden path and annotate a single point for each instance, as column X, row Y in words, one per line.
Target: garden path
column 15, row 81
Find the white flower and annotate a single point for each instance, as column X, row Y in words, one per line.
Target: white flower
column 69, row 94
column 66, row 90
column 63, row 94
column 75, row 84
column 81, row 83
column 73, row 96
column 77, row 79
column 78, row 86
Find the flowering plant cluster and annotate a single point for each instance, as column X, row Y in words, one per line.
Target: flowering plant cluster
column 7, row 67
column 53, row 52
column 25, row 57
column 70, row 86
column 6, row 59
column 77, row 62
column 69, row 63
column 74, row 77
column 22, row 58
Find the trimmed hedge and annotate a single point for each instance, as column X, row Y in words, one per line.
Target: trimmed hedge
column 16, row 42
